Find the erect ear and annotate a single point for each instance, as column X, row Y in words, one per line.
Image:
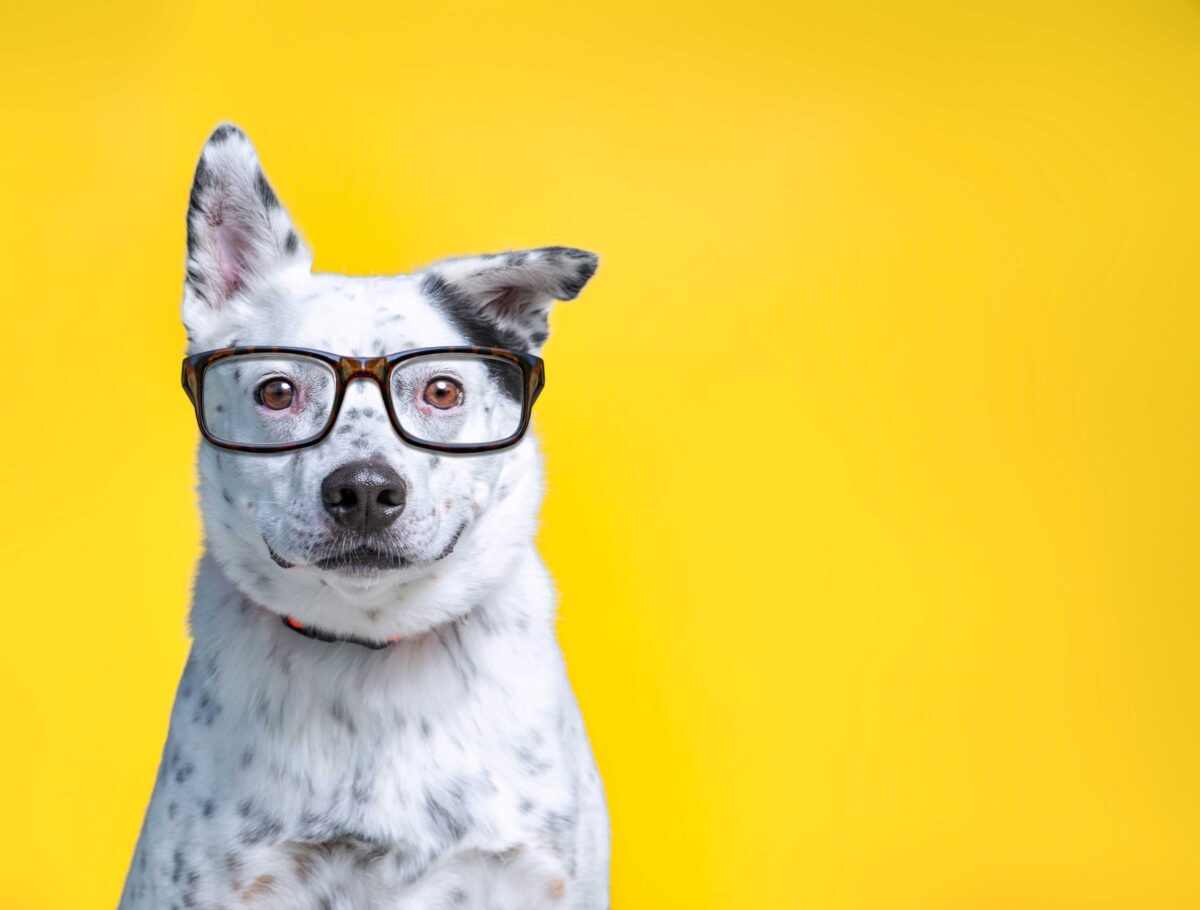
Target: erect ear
column 237, row 231
column 503, row 299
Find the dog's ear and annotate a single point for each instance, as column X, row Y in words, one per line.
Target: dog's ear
column 504, row 299
column 237, row 230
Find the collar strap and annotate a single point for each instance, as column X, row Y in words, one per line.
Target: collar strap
column 321, row 635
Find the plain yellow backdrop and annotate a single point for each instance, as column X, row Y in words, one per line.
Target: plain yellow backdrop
column 871, row 449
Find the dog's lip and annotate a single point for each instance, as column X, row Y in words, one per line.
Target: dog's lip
column 365, row 557
column 279, row 560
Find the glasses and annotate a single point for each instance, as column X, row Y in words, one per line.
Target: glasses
column 448, row 399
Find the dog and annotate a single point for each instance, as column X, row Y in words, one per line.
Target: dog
column 374, row 712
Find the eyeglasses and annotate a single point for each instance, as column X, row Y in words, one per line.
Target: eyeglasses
column 447, row 399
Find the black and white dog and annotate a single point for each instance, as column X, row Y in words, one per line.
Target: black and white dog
column 375, row 712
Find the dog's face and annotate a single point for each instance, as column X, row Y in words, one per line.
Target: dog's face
column 362, row 533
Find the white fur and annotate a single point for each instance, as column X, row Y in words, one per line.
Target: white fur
column 450, row 769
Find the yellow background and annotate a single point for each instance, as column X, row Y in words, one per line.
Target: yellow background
column 871, row 448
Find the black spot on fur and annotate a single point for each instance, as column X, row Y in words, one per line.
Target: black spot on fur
column 361, row 787
column 200, row 182
column 292, row 243
column 265, row 193
column 568, row 252
column 448, row 814
column 531, row 763
column 339, row 713
column 259, row 826
column 466, row 317
column 585, row 268
column 554, row 823
column 207, row 709
column 223, row 132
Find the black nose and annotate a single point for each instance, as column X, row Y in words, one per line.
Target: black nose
column 364, row 495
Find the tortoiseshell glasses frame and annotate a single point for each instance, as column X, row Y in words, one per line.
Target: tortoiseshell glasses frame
column 379, row 369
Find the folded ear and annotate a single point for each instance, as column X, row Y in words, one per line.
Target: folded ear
column 503, row 299
column 237, row 231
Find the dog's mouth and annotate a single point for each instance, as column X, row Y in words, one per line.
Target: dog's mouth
column 363, row 558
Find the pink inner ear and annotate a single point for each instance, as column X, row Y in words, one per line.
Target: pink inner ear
column 233, row 249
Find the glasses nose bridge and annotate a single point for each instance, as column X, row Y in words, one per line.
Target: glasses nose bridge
column 352, row 368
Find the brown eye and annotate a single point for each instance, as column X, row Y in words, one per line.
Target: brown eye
column 443, row 393
column 276, row 394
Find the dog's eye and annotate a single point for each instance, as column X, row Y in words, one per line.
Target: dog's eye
column 443, row 393
column 276, row 394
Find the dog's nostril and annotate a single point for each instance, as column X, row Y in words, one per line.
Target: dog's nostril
column 344, row 498
column 391, row 497
column 364, row 495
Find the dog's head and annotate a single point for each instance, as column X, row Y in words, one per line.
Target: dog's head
column 362, row 533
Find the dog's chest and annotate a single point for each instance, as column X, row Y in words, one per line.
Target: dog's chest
column 291, row 773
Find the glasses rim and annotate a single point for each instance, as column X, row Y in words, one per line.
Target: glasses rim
column 379, row 368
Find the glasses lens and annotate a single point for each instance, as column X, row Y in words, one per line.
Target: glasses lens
column 463, row 399
column 267, row 399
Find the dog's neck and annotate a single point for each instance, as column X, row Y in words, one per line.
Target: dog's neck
column 246, row 650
